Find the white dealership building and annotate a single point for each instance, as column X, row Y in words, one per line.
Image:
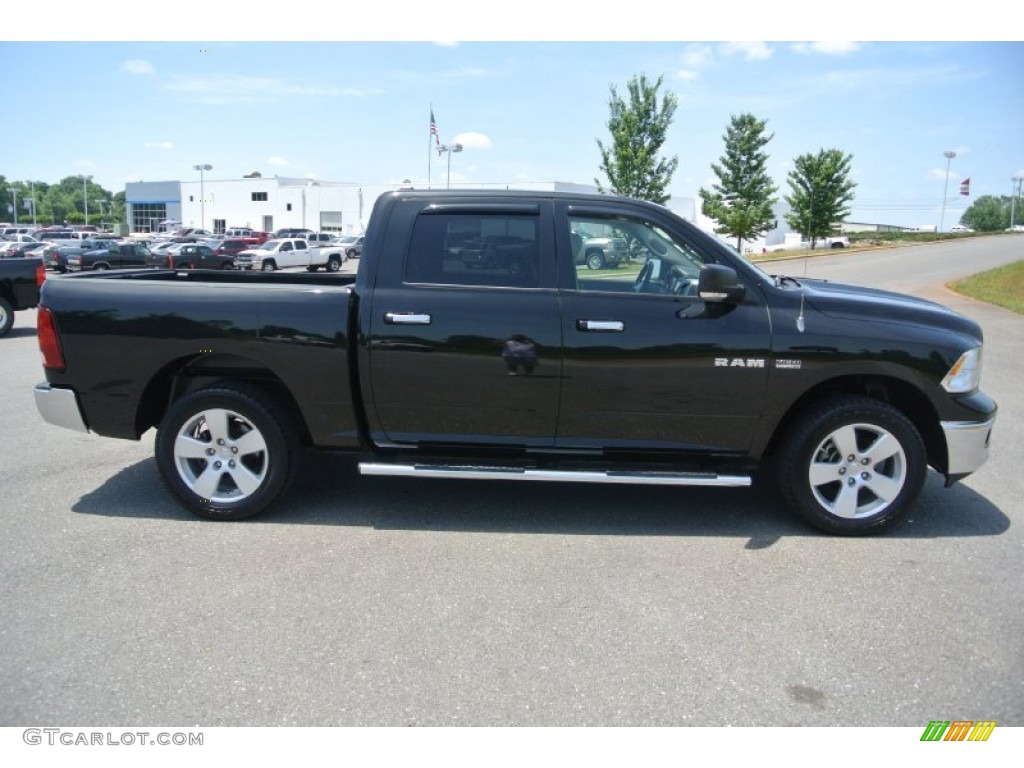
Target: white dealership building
column 270, row 203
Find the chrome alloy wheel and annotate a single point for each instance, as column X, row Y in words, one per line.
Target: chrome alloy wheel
column 221, row 455
column 857, row 471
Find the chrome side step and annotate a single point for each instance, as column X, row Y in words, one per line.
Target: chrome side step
column 553, row 475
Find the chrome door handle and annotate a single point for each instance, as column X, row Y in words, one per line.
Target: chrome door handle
column 406, row 318
column 614, row 326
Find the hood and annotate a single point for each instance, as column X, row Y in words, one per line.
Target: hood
column 854, row 302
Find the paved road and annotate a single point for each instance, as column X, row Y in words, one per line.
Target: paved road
column 393, row 602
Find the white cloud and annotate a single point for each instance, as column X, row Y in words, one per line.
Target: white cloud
column 828, row 47
column 697, row 56
column 687, row 74
column 159, row 145
column 276, row 160
column 748, row 49
column 82, row 163
column 228, row 88
column 137, row 67
column 473, row 140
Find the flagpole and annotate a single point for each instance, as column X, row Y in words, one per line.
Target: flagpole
column 430, row 137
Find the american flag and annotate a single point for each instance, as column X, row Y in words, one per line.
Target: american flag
column 965, row 187
column 433, row 128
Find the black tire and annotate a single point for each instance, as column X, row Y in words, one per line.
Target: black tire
column 258, row 435
column 351, row 253
column 268, row 266
column 6, row 316
column 595, row 260
column 852, row 466
column 334, row 264
column 101, row 265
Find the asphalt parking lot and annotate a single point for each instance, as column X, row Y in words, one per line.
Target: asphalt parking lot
column 375, row 601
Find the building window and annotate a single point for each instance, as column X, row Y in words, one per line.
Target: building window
column 219, row 226
column 146, row 217
column 259, row 197
column 289, row 206
column 190, row 198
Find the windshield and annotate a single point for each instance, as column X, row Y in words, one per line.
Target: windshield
column 269, row 245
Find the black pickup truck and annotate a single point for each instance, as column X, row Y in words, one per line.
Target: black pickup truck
column 697, row 369
column 20, row 279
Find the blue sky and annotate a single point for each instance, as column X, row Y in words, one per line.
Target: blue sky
column 524, row 111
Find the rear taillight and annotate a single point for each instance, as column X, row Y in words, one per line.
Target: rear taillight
column 49, row 341
column 40, row 275
column 170, row 261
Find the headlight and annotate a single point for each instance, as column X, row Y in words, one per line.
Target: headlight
column 965, row 375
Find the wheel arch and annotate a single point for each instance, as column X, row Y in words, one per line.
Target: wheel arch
column 902, row 395
column 185, row 375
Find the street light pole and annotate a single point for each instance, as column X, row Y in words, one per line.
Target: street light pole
column 949, row 155
column 85, row 195
column 449, row 148
column 202, row 193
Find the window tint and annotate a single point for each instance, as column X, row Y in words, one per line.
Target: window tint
column 475, row 249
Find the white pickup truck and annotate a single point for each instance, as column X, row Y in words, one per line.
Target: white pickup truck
column 282, row 253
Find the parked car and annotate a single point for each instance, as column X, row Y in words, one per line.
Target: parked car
column 111, row 256
column 420, row 367
column 13, row 249
column 353, row 245
column 191, row 256
column 20, row 280
column 291, row 232
column 598, row 252
column 960, row 228
column 232, row 246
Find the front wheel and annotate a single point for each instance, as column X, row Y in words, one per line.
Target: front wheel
column 595, row 260
column 268, row 266
column 852, row 466
column 227, row 452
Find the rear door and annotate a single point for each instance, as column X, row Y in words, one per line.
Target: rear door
column 459, row 354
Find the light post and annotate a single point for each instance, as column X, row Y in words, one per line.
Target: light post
column 949, row 155
column 202, row 193
column 449, row 148
column 1014, row 194
column 85, row 195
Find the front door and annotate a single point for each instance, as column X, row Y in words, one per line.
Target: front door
column 647, row 364
column 465, row 332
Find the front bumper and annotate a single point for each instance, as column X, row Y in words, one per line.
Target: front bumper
column 967, row 444
column 59, row 407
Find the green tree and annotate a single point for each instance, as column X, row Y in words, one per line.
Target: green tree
column 991, row 214
column 820, row 193
column 638, row 128
column 741, row 202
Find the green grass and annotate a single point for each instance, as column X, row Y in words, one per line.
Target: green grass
column 1003, row 286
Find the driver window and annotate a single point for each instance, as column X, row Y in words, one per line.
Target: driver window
column 619, row 254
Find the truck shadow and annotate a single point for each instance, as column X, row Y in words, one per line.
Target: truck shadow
column 329, row 491
column 20, row 332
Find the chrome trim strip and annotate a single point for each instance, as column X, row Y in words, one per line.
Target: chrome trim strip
column 556, row 476
column 59, row 407
column 600, row 325
column 967, row 444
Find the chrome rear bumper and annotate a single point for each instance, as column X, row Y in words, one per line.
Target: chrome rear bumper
column 59, row 407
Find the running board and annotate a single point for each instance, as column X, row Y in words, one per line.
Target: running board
column 554, row 475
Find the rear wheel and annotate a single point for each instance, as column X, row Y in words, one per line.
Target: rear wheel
column 334, row 264
column 6, row 316
column 227, row 452
column 595, row 260
column 852, row 466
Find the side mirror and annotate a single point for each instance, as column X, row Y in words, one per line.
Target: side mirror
column 719, row 283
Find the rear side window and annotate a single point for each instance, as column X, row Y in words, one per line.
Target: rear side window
column 475, row 249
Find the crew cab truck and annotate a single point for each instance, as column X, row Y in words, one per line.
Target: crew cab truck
column 290, row 252
column 20, row 280
column 697, row 370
